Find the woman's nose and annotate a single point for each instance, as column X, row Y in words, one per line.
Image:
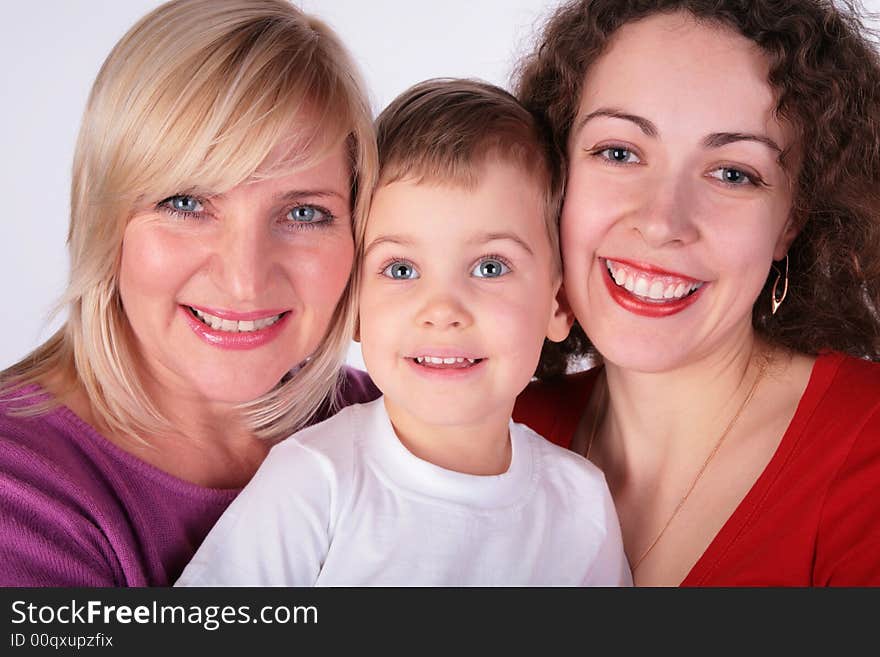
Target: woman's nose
column 666, row 217
column 244, row 260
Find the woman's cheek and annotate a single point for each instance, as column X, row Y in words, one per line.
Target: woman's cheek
column 322, row 274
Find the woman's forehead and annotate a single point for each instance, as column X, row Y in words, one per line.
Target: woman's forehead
column 677, row 71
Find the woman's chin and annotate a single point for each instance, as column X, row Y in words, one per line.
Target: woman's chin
column 649, row 357
column 233, row 390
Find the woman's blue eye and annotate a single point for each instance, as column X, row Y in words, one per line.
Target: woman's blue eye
column 401, row 271
column 490, row 268
column 619, row 155
column 732, row 176
column 184, row 204
column 308, row 214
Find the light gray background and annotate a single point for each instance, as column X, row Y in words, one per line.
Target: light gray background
column 52, row 50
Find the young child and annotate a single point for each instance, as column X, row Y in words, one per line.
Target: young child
column 433, row 484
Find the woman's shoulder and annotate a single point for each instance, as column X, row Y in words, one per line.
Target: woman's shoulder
column 865, row 372
column 78, row 511
column 845, row 426
column 47, row 534
column 553, row 408
column 36, row 432
column 848, row 386
column 838, row 419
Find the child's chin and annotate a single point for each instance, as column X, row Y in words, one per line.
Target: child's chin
column 450, row 414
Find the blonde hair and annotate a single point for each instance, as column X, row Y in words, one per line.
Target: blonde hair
column 196, row 96
column 445, row 129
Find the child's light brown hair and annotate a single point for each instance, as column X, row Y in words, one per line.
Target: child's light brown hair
column 444, row 130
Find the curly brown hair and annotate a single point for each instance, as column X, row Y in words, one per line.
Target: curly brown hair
column 825, row 70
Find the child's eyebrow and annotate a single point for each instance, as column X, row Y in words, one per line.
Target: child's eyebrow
column 400, row 240
column 482, row 238
column 513, row 237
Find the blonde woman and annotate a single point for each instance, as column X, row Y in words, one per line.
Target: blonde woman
column 221, row 173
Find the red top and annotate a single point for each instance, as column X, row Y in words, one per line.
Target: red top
column 813, row 516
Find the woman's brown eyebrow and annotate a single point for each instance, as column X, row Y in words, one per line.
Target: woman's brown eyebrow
column 718, row 139
column 644, row 124
column 714, row 140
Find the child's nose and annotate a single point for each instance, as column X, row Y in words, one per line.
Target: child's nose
column 444, row 311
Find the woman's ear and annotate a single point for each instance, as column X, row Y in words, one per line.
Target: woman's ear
column 789, row 232
column 561, row 316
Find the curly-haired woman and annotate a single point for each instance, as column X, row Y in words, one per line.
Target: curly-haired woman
column 721, row 245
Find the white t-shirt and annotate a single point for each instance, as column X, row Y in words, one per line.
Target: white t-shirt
column 344, row 503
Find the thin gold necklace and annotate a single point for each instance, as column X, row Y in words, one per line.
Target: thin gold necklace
column 600, row 402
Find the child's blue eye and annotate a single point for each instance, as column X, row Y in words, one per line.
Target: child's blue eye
column 401, row 271
column 490, row 268
column 308, row 214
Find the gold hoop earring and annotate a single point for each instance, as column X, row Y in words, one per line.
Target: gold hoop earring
column 775, row 301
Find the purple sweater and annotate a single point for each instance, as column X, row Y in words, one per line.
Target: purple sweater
column 76, row 510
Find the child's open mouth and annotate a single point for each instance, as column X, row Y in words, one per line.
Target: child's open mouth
column 446, row 363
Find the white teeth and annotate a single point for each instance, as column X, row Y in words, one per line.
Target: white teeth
column 656, row 291
column 657, row 288
column 443, row 361
column 232, row 326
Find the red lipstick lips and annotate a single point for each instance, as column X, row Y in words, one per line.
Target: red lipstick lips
column 642, row 305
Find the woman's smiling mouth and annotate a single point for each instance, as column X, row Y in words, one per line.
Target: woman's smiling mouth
column 234, row 330
column 650, row 292
column 234, row 325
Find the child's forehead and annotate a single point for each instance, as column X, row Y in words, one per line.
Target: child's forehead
column 441, row 215
column 477, row 197
column 491, row 183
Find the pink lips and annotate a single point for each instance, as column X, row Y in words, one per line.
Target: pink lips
column 239, row 317
column 446, row 373
column 235, row 341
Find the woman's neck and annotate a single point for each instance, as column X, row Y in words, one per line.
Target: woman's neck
column 209, row 444
column 657, row 420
